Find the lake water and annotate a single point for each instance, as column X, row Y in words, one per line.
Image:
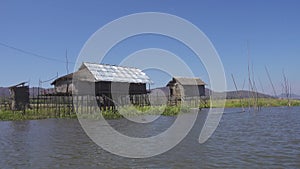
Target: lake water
column 266, row 139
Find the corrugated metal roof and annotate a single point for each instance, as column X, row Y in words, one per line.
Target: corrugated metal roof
column 114, row 73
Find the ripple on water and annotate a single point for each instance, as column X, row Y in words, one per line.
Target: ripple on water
column 266, row 139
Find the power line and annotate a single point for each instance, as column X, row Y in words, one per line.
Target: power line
column 32, row 53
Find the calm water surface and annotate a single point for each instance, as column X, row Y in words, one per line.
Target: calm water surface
column 266, row 139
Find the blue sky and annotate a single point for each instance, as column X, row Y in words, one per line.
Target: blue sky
column 47, row 28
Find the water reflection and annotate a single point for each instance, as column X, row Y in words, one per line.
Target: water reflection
column 266, row 139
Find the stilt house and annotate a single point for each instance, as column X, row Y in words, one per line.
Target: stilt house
column 182, row 87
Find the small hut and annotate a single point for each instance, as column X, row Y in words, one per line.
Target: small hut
column 63, row 85
column 183, row 87
column 20, row 96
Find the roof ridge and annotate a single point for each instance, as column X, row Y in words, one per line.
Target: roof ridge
column 177, row 77
column 106, row 64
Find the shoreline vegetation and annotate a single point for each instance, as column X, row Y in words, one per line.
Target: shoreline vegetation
column 9, row 115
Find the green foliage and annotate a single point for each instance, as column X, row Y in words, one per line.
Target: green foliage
column 8, row 115
column 139, row 110
column 107, row 114
column 261, row 102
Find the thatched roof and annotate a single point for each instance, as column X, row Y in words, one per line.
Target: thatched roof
column 62, row 78
column 185, row 81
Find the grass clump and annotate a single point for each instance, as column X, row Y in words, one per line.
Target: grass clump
column 261, row 102
column 131, row 111
column 9, row 115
